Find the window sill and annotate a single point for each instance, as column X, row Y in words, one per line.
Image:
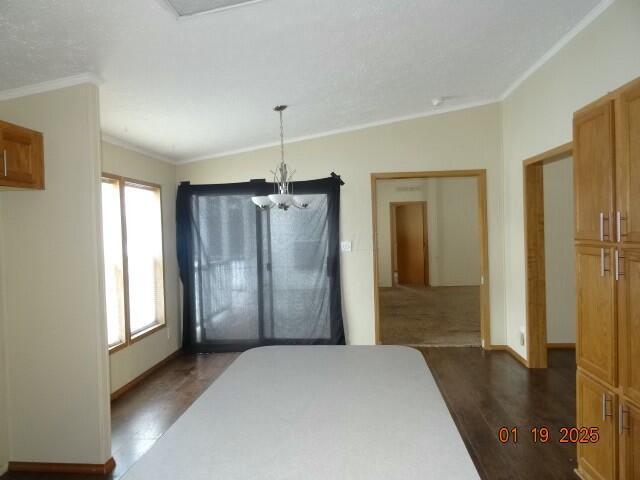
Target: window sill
column 143, row 333
column 137, row 337
column 117, row 347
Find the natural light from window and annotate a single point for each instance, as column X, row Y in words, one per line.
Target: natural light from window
column 133, row 261
column 144, row 253
column 113, row 271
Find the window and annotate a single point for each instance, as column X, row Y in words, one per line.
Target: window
column 133, row 260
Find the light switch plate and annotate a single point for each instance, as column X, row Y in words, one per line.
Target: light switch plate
column 345, row 246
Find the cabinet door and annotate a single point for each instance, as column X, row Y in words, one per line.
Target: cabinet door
column 597, row 408
column 21, row 160
column 593, row 172
column 596, row 312
column 629, row 431
column 628, row 163
column 629, row 322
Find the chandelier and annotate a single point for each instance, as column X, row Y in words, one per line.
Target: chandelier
column 283, row 198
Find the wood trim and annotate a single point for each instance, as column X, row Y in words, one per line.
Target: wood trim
column 551, row 346
column 432, row 174
column 497, row 347
column 133, row 338
column 481, row 176
column 552, row 155
column 141, row 183
column 116, row 348
column 394, row 240
column 394, row 243
column 483, row 226
column 133, row 383
column 535, row 275
column 73, row 468
column 510, row 351
column 586, row 110
column 136, row 337
column 374, row 215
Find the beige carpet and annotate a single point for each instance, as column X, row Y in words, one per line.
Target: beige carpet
column 430, row 316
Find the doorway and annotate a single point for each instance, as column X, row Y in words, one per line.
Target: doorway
column 409, row 243
column 549, row 266
column 444, row 301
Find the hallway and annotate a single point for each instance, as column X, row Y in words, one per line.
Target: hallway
column 434, row 316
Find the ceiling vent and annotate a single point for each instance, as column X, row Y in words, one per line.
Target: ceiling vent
column 189, row 8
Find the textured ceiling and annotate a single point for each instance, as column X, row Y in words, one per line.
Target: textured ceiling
column 204, row 85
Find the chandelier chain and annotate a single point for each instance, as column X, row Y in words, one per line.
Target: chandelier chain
column 281, row 138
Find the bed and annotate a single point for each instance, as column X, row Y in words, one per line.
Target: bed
column 314, row 413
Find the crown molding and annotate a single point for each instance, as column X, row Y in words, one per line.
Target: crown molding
column 559, row 45
column 135, row 148
column 51, row 85
column 328, row 133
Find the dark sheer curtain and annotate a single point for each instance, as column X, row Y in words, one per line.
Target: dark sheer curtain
column 256, row 277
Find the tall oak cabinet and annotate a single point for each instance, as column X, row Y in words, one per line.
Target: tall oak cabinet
column 606, row 137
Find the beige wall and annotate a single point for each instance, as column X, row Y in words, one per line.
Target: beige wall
column 55, row 325
column 453, row 237
column 538, row 116
column 128, row 363
column 559, row 251
column 4, row 411
column 458, row 140
column 459, row 243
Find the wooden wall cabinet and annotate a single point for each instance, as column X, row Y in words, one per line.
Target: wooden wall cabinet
column 607, row 234
column 597, row 408
column 629, row 434
column 596, row 346
column 629, row 322
column 593, row 171
column 627, row 215
column 21, row 157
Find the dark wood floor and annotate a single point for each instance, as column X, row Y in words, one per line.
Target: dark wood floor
column 484, row 391
column 488, row 390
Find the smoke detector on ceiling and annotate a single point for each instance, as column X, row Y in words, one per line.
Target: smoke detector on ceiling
column 190, row 8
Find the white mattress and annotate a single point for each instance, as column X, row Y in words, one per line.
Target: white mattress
column 317, row 412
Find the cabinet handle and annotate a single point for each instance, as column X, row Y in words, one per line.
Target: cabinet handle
column 603, row 269
column 605, row 410
column 603, row 234
column 619, row 219
column 620, row 419
column 621, row 423
column 4, row 161
column 619, row 257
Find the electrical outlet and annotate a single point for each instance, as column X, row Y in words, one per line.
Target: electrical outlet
column 345, row 246
column 522, row 336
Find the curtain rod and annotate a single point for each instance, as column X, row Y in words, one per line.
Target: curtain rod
column 337, row 177
column 262, row 180
column 332, row 174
